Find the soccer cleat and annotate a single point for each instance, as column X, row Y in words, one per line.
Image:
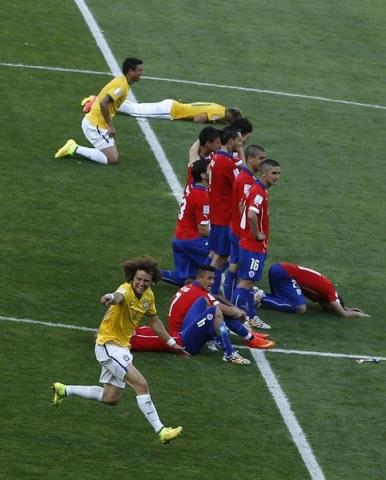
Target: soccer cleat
column 236, row 359
column 258, row 294
column 258, row 334
column 87, row 102
column 167, row 434
column 258, row 342
column 68, row 149
column 59, row 393
column 257, row 322
column 214, row 346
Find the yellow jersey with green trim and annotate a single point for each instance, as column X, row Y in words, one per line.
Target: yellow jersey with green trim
column 121, row 320
column 117, row 89
column 187, row 111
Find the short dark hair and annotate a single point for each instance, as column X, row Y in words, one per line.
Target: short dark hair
column 269, row 163
column 253, row 150
column 233, row 113
column 205, row 268
column 131, row 63
column 228, row 133
column 198, row 168
column 145, row 263
column 243, row 125
column 208, row 134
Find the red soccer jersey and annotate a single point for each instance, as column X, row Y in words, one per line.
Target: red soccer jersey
column 223, row 171
column 194, row 211
column 313, row 284
column 258, row 203
column 240, row 191
column 181, row 303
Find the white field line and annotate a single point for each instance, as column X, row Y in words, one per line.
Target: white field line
column 207, row 84
column 274, row 350
column 289, row 418
column 47, row 324
column 144, row 125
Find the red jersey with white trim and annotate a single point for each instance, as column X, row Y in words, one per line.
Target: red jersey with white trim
column 223, row 171
column 194, row 211
column 240, row 191
column 181, row 303
column 313, row 284
column 258, row 203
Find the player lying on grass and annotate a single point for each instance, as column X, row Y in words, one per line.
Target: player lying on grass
column 97, row 124
column 196, row 316
column 133, row 300
column 198, row 112
column 292, row 284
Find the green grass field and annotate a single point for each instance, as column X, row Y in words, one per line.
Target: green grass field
column 68, row 225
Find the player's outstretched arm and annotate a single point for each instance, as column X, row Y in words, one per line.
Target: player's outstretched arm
column 111, row 298
column 346, row 312
column 158, row 328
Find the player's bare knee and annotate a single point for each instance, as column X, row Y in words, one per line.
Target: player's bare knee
column 301, row 309
column 110, row 400
column 140, row 387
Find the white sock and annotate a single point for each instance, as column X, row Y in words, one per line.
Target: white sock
column 91, row 393
column 92, row 154
column 147, row 407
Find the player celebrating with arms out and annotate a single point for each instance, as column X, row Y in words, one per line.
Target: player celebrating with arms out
column 97, row 125
column 127, row 306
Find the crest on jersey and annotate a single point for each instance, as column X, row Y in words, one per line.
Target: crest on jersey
column 145, row 304
column 258, row 200
column 246, row 189
column 205, row 209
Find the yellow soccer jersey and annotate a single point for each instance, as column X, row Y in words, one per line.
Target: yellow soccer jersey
column 117, row 89
column 120, row 320
column 187, row 111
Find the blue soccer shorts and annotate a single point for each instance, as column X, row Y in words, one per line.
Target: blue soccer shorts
column 219, row 241
column 251, row 265
column 198, row 326
column 189, row 255
column 282, row 285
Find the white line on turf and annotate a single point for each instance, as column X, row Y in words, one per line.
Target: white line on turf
column 144, row 125
column 274, row 350
column 289, row 418
column 207, row 84
column 47, row 324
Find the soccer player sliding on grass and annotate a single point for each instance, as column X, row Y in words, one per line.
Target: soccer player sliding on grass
column 133, row 300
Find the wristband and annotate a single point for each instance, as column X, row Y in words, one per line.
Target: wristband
column 171, row 342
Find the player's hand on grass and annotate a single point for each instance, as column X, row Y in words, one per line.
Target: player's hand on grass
column 181, row 350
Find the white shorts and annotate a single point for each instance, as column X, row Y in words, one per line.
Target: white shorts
column 96, row 136
column 151, row 110
column 114, row 361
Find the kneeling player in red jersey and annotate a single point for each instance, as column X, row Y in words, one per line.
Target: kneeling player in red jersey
column 292, row 284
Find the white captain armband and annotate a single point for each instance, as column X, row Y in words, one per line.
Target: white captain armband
column 171, row 342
